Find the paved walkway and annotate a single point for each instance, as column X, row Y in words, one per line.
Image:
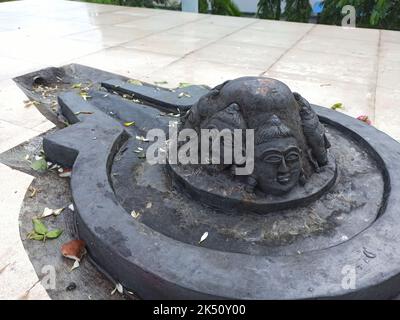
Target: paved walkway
column 357, row 67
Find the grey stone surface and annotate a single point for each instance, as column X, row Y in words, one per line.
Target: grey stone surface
column 180, row 98
column 54, row 192
column 134, row 246
column 154, row 265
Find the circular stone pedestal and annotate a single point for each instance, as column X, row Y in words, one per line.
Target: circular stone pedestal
column 295, row 253
column 324, row 220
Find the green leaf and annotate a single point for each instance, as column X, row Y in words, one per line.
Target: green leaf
column 85, row 96
column 337, row 106
column 128, row 124
column 184, row 84
column 76, row 85
column 54, row 234
column 34, row 236
column 39, row 165
column 39, row 227
column 135, row 82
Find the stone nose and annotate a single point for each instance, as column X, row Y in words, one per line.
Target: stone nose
column 283, row 167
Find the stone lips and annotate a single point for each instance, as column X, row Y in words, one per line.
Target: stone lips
column 156, row 266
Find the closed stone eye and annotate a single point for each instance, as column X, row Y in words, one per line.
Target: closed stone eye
column 273, row 159
column 292, row 156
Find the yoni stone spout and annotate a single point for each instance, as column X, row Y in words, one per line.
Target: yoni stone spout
column 289, row 141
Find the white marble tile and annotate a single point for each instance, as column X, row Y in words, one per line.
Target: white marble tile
column 12, row 135
column 170, row 44
column 110, row 35
column 129, row 62
column 348, row 47
column 265, row 38
column 17, row 275
column 359, row 34
column 14, row 110
column 328, row 66
column 239, row 55
column 199, row 72
column 387, row 111
column 356, row 99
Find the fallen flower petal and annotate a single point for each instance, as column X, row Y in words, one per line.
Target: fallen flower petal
column 74, row 249
column 364, row 118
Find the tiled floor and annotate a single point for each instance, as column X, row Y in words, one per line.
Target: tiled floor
column 357, row 67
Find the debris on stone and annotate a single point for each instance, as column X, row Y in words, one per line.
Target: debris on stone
column 364, row 118
column 135, row 214
column 142, row 155
column 176, row 115
column 184, row 84
column 75, row 250
column 128, row 124
column 141, row 138
column 135, row 82
column 160, row 82
column 83, row 112
column 29, row 103
column 337, row 106
column 53, row 234
column 40, row 232
column 369, row 254
column 65, row 172
column 85, row 95
column 71, row 286
column 184, row 94
column 119, row 288
column 71, row 207
column 203, row 237
column 47, row 212
column 39, row 164
column 76, row 86
column 33, row 191
column 149, row 205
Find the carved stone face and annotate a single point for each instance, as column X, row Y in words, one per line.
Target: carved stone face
column 306, row 113
column 277, row 165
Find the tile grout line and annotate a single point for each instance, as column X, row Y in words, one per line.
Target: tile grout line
column 23, row 127
column 99, row 26
column 206, row 45
column 286, row 51
column 375, row 90
column 140, row 38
